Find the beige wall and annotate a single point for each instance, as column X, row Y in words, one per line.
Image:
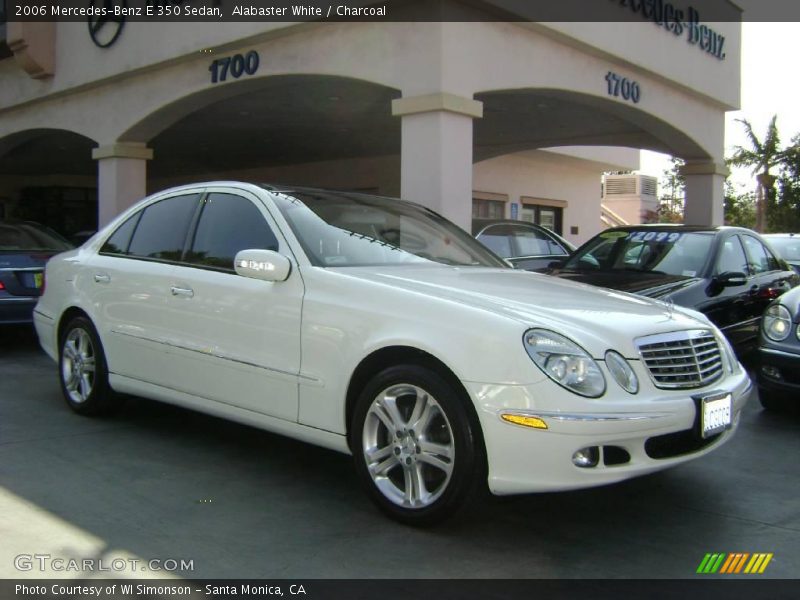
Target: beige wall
column 684, row 88
column 546, row 176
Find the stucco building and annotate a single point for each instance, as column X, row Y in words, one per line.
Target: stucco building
column 512, row 119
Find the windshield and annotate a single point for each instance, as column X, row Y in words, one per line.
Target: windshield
column 787, row 247
column 23, row 237
column 663, row 252
column 342, row 229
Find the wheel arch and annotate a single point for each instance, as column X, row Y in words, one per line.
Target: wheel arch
column 390, row 356
column 68, row 315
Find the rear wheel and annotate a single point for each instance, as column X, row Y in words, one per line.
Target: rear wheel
column 83, row 372
column 415, row 446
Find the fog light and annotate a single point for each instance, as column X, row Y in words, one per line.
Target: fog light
column 586, row 457
column 771, row 372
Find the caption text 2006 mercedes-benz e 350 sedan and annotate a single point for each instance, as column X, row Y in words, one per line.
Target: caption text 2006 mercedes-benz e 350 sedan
column 373, row 326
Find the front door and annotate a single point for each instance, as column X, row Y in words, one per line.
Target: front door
column 237, row 340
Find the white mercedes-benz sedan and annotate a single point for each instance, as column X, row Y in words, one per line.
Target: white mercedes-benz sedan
column 375, row 327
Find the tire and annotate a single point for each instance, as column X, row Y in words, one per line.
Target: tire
column 82, row 370
column 416, row 448
column 773, row 401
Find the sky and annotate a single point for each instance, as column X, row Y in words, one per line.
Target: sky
column 770, row 85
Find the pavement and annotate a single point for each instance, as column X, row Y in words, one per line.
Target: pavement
column 156, row 482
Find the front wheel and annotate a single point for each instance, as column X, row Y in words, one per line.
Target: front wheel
column 83, row 372
column 416, row 448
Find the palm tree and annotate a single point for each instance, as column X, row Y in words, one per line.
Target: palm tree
column 761, row 156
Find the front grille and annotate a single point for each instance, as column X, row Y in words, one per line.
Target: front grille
column 681, row 359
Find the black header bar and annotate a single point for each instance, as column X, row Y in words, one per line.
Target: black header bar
column 231, row 11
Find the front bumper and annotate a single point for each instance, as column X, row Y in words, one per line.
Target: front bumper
column 634, row 435
column 777, row 371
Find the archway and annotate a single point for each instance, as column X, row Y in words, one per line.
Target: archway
column 48, row 176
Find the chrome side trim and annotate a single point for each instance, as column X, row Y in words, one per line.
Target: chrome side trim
column 741, row 323
column 209, row 352
column 9, row 269
column 778, row 352
column 586, row 417
column 28, row 299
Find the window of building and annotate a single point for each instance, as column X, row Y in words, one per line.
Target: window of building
column 483, row 208
column 228, row 224
column 547, row 213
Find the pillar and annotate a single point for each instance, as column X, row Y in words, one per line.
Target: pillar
column 436, row 154
column 121, row 177
column 705, row 193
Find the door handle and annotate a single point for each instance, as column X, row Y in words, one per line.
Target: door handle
column 102, row 278
column 182, row 291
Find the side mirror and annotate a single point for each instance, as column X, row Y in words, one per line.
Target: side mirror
column 266, row 265
column 731, row 278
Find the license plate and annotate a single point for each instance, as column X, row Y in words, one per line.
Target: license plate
column 38, row 280
column 715, row 414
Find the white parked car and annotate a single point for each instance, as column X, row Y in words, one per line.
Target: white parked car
column 375, row 327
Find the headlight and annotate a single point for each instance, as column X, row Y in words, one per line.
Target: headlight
column 566, row 363
column 622, row 372
column 777, row 322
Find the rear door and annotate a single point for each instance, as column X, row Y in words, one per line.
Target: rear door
column 770, row 280
column 130, row 279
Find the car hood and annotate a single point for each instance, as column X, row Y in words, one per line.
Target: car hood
column 652, row 285
column 592, row 316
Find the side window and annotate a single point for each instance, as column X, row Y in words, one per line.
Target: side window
column 731, row 257
column 121, row 238
column 498, row 239
column 162, row 228
column 760, row 259
column 227, row 225
column 532, row 243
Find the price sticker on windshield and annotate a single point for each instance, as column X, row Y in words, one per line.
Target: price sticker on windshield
column 657, row 236
column 613, row 235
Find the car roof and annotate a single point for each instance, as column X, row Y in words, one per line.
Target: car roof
column 478, row 224
column 679, row 227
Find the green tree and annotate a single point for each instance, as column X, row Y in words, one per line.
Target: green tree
column 740, row 208
column 784, row 208
column 761, row 156
column 673, row 193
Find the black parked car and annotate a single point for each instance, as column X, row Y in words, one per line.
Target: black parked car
column 778, row 371
column 728, row 273
column 524, row 245
column 24, row 249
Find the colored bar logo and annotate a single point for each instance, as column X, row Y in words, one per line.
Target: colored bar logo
column 735, row 563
